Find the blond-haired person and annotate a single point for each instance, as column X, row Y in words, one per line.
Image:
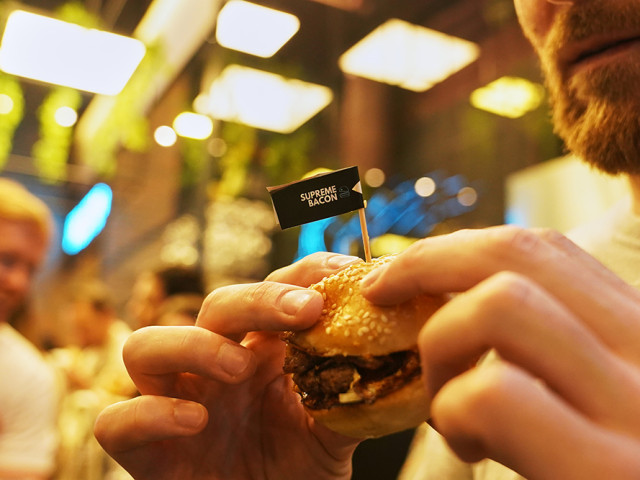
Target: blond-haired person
column 28, row 397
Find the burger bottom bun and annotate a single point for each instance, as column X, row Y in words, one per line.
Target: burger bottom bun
column 401, row 410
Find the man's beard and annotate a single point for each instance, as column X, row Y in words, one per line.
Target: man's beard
column 596, row 111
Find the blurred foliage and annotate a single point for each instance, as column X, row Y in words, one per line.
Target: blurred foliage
column 10, row 120
column 51, row 151
column 273, row 157
column 194, row 155
column 242, row 145
column 75, row 12
column 127, row 125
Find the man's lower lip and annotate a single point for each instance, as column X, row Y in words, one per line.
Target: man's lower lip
column 602, row 58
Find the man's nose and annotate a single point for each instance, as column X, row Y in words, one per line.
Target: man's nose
column 18, row 278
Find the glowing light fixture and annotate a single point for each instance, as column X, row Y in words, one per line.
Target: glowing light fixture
column 165, row 136
column 87, row 219
column 254, row 29
column 510, row 97
column 193, row 125
column 264, row 100
column 425, row 186
column 6, row 104
column 409, row 56
column 374, row 177
column 65, row 116
column 467, row 196
column 53, row 51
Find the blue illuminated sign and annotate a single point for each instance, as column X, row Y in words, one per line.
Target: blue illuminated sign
column 87, row 219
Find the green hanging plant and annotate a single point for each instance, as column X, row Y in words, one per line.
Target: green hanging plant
column 242, row 144
column 51, row 151
column 194, row 155
column 75, row 12
column 127, row 125
column 286, row 157
column 11, row 114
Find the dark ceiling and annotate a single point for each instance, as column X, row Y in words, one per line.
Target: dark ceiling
column 312, row 54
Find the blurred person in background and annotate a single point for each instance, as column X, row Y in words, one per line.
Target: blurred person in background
column 152, row 288
column 180, row 309
column 93, row 375
column 28, row 397
column 559, row 400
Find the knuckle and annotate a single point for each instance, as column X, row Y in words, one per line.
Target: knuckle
column 260, row 293
column 491, row 383
column 504, row 292
column 519, row 240
column 511, row 288
column 551, row 235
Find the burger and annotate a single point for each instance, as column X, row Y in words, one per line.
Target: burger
column 357, row 370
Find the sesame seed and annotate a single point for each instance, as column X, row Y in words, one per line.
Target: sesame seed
column 362, row 331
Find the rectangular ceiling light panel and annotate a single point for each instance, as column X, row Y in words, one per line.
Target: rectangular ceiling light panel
column 510, row 97
column 254, row 29
column 264, row 100
column 409, row 56
column 52, row 51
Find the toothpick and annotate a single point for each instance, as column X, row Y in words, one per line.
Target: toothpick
column 365, row 233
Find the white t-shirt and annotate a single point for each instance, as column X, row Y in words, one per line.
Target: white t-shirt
column 28, row 406
column 614, row 240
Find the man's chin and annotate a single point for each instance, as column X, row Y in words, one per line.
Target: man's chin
column 608, row 141
column 598, row 121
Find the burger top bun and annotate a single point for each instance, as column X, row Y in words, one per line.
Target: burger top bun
column 351, row 325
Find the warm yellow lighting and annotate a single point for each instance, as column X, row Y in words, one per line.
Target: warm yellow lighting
column 193, row 125
column 509, row 96
column 374, row 177
column 165, row 136
column 425, row 187
column 390, row 243
column 217, row 147
column 254, row 29
column 65, row 116
column 265, row 100
column 409, row 56
column 53, row 51
column 6, row 104
column 201, row 103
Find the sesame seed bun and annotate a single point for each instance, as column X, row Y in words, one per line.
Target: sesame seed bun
column 351, row 326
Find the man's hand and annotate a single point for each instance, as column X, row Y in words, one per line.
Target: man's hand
column 214, row 401
column 560, row 400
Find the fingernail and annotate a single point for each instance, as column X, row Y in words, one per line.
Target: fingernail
column 371, row 278
column 188, row 415
column 294, row 300
column 233, row 359
column 340, row 261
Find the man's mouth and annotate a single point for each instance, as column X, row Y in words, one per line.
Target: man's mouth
column 596, row 52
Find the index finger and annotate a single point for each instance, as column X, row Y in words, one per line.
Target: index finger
column 459, row 261
column 282, row 302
